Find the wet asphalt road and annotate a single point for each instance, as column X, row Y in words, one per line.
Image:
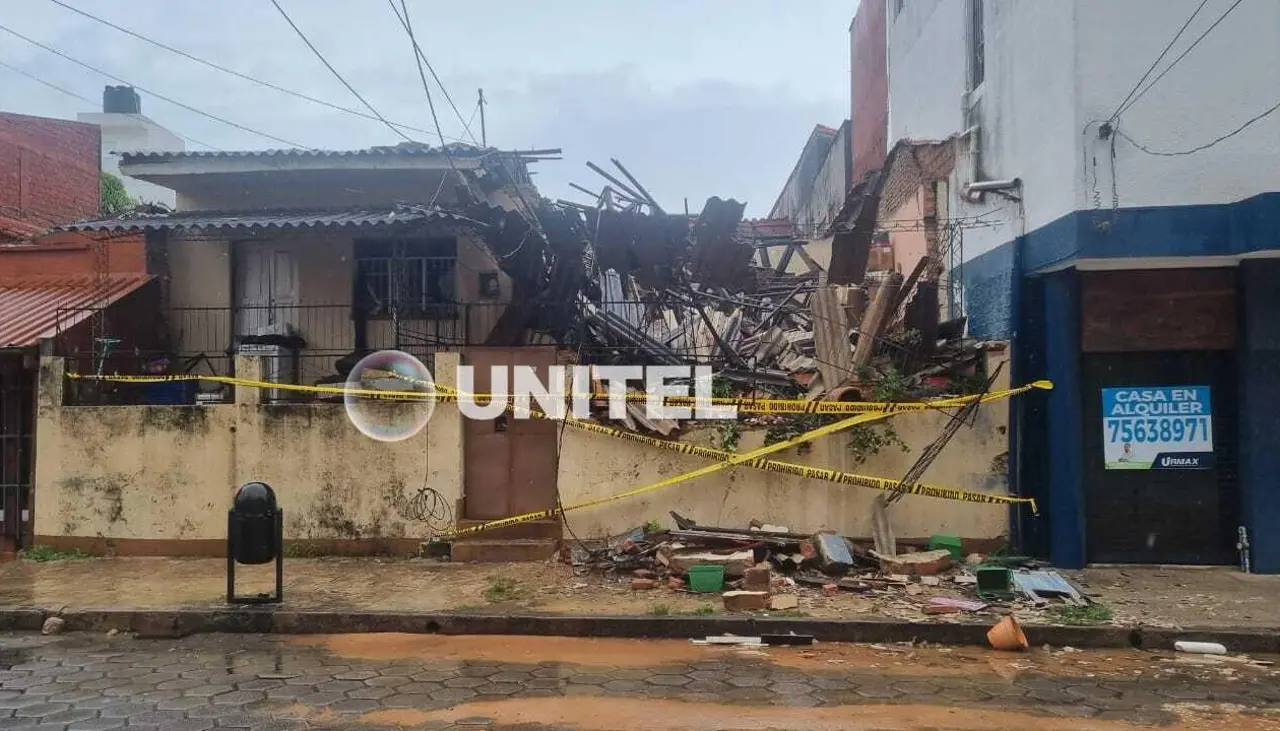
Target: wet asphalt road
column 83, row 682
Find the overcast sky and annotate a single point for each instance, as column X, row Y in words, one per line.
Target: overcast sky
column 696, row 97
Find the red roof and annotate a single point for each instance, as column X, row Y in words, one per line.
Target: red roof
column 30, row 307
column 13, row 228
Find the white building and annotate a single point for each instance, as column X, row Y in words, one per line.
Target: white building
column 1117, row 187
column 125, row 129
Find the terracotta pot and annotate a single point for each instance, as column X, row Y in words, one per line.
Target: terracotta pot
column 1007, row 636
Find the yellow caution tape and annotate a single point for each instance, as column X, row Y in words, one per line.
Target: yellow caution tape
column 733, row 459
column 746, row 406
column 754, row 458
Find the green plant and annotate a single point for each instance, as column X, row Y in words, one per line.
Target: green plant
column 727, row 433
column 702, row 611
column 721, row 387
column 502, row 590
column 45, row 554
column 652, row 526
column 891, row 386
column 660, row 610
column 114, row 198
column 789, row 613
column 867, row 441
column 1086, row 615
column 793, row 425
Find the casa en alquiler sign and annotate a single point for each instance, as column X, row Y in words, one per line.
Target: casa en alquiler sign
column 1157, row 428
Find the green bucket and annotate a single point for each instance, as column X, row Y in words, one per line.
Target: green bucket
column 706, row 579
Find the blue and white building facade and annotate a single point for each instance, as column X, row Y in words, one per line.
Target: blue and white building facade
column 1117, row 188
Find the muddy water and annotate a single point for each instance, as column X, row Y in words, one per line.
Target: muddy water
column 897, row 660
column 611, row 714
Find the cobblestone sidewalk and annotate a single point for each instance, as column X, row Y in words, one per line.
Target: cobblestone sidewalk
column 94, row 683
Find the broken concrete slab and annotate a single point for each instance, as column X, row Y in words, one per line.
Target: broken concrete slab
column 924, row 563
column 834, row 556
column 784, row 601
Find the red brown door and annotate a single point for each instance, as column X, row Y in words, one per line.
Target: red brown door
column 509, row 464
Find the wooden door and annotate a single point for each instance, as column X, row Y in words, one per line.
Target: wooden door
column 509, row 464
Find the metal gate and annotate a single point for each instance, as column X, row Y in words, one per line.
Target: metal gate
column 17, row 430
column 1162, row 516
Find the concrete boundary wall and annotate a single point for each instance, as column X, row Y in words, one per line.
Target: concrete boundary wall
column 157, row 480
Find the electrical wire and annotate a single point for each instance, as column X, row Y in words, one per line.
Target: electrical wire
column 238, row 74
column 337, row 75
column 83, row 98
column 1154, row 63
column 431, row 105
column 1172, row 64
column 421, row 57
column 1205, row 146
column 145, row 90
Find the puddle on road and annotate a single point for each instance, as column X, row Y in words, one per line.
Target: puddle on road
column 621, row 714
column 892, row 659
column 518, row 650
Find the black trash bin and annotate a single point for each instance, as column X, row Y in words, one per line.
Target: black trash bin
column 255, row 536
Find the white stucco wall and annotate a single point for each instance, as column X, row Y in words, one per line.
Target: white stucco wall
column 1054, row 67
column 134, row 133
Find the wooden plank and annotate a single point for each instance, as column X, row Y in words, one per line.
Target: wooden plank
column 831, row 335
column 873, row 323
column 1156, row 310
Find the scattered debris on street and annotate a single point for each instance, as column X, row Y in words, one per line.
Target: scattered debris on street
column 769, row 568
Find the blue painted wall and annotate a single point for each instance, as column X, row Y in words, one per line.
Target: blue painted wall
column 1041, row 315
column 1259, row 362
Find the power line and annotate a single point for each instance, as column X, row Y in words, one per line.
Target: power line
column 1205, row 146
column 1175, row 61
column 1153, row 63
column 418, row 58
column 334, row 71
column 145, row 90
column 422, row 59
column 238, row 74
column 83, row 98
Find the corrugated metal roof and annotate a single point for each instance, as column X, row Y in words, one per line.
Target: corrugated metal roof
column 30, row 307
column 245, row 220
column 402, row 150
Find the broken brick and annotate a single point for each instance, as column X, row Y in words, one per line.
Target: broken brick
column 643, row 574
column 757, row 578
column 745, row 601
column 675, row 582
column 830, row 590
column 644, row 584
column 808, row 551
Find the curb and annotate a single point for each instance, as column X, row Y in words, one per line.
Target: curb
column 148, row 623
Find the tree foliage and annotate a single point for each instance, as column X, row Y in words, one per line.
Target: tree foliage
column 115, row 199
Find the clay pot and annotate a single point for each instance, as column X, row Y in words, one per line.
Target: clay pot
column 1007, row 636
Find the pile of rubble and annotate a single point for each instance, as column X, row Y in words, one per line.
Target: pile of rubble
column 765, row 567
column 746, row 297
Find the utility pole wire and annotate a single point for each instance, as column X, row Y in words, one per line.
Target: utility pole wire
column 83, row 98
column 334, row 71
column 1205, row 146
column 238, row 74
column 1154, row 63
column 145, row 90
column 417, row 57
column 1196, row 42
column 422, row 59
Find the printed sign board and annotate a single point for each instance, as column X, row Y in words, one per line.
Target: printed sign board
column 1157, row 428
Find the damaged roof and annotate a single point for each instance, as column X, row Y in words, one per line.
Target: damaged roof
column 279, row 220
column 401, row 150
